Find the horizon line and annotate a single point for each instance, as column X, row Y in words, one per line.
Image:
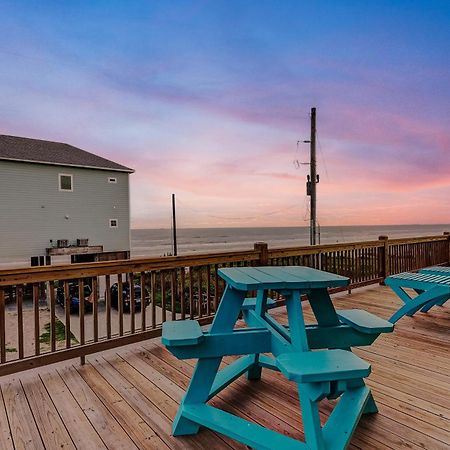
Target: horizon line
column 298, row 226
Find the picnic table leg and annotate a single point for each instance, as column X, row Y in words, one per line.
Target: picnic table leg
column 371, row 406
column 323, row 308
column 356, row 400
column 296, row 320
column 197, row 392
column 254, row 372
column 402, row 295
column 444, row 299
column 437, row 302
column 206, row 369
column 413, row 305
column 311, row 419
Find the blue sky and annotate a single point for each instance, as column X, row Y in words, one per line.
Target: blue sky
column 207, row 100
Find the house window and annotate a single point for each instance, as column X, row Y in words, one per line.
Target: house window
column 112, row 180
column 65, row 182
column 113, row 223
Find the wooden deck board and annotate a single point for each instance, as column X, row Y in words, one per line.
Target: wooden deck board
column 24, row 431
column 126, row 398
column 112, row 434
column 51, row 427
column 6, row 441
column 71, row 413
column 133, row 424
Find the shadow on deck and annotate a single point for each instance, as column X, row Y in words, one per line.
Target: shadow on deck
column 127, row 398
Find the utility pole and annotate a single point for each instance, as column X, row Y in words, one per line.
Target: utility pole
column 312, row 181
column 174, row 227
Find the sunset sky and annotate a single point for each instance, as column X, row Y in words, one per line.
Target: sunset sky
column 207, row 100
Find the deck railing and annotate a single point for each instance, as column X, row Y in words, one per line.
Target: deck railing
column 41, row 321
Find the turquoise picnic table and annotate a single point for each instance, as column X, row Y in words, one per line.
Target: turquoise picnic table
column 420, row 290
column 330, row 371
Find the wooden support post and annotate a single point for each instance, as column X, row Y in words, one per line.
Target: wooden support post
column 263, row 250
column 447, row 233
column 384, row 258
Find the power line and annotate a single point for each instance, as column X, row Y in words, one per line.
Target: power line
column 257, row 216
column 323, row 156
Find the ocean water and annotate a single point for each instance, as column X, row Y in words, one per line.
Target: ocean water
column 158, row 242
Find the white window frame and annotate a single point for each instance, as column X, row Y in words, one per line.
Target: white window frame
column 111, row 225
column 59, row 182
column 112, row 180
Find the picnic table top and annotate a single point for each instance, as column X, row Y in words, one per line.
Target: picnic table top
column 443, row 270
column 428, row 278
column 288, row 277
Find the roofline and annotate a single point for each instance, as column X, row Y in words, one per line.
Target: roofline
column 67, row 165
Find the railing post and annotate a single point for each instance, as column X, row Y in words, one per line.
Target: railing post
column 263, row 250
column 384, row 257
column 447, row 233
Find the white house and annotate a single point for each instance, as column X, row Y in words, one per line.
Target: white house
column 56, row 199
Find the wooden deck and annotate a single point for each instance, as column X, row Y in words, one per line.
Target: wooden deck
column 127, row 398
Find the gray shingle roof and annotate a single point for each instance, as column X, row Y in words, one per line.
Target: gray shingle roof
column 48, row 152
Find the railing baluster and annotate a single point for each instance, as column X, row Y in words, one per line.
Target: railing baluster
column 208, row 290
column 173, row 294
column 95, row 307
column 344, row 263
column 19, row 303
column 375, row 262
column 369, row 263
column 81, row 314
column 2, row 327
column 37, row 326
column 143, row 302
column 216, row 287
column 191, row 293
column 182, row 296
column 153, row 288
column 163, row 295
column 67, row 313
column 108, row 305
column 200, row 291
column 120, row 300
column 51, row 286
column 132, row 302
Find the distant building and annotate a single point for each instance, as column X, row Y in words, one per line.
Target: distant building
column 56, row 199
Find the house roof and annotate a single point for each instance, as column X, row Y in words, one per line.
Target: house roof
column 22, row 149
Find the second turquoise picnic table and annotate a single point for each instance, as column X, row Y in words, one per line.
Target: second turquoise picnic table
column 332, row 371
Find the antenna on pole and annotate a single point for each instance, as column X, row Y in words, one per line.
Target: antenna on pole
column 174, row 227
column 311, row 181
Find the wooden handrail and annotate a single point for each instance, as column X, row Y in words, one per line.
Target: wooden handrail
column 84, row 270
column 323, row 248
column 417, row 240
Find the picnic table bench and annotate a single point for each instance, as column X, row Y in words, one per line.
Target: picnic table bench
column 332, row 371
column 427, row 288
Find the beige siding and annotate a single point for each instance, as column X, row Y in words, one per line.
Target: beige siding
column 33, row 210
